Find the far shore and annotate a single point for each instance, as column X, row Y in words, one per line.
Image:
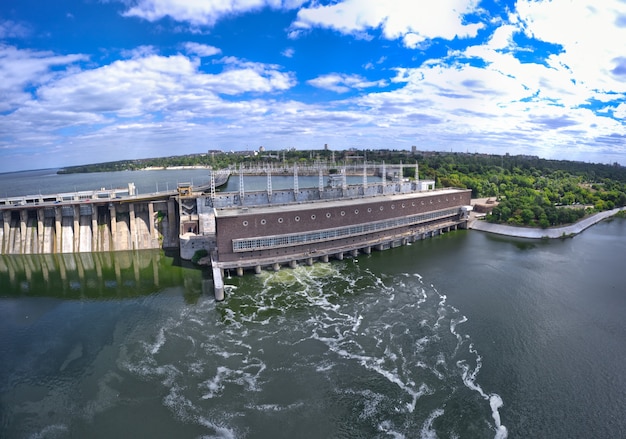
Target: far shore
column 539, row 233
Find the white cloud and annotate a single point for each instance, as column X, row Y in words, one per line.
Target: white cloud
column 145, row 99
column 591, row 34
column 288, row 52
column 202, row 12
column 413, row 22
column 21, row 68
column 340, row 83
column 202, row 50
column 412, row 40
column 12, row 29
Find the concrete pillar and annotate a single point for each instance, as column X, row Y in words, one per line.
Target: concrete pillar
column 239, row 271
column 367, row 250
column 113, row 215
column 58, row 215
column 379, row 247
column 354, row 253
column 293, row 264
column 219, row 293
column 94, row 228
column 172, row 221
column 23, row 219
column 151, row 219
column 76, row 228
column 339, row 256
column 6, row 216
column 133, row 244
column 276, row 266
column 40, row 230
column 309, row 261
column 257, row 269
column 324, row 258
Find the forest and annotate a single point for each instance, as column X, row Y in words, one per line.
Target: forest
column 531, row 191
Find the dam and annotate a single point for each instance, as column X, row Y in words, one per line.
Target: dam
column 238, row 231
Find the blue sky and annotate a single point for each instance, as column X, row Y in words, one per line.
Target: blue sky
column 84, row 81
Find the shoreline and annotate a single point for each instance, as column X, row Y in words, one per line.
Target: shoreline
column 538, row 233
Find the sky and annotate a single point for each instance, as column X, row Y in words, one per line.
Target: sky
column 88, row 81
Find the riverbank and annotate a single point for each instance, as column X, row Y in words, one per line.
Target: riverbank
column 538, row 233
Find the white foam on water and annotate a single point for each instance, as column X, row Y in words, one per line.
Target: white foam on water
column 359, row 319
column 469, row 376
column 427, row 431
column 275, row 407
column 495, row 401
column 387, row 427
column 215, row 385
column 160, row 340
column 51, row 431
column 220, row 432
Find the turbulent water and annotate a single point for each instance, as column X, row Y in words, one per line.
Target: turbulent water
column 333, row 350
column 465, row 335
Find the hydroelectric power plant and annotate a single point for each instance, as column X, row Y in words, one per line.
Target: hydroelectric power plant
column 238, row 231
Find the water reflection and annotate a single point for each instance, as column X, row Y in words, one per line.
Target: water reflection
column 99, row 275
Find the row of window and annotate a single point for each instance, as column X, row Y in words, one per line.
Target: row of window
column 275, row 241
column 343, row 212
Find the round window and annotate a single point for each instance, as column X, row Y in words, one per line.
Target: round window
column 297, row 218
column 245, row 223
column 280, row 220
column 327, row 214
column 263, row 221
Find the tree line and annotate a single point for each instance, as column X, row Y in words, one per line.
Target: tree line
column 530, row 190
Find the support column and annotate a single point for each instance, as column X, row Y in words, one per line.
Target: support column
column 339, row 256
column 293, row 264
column 133, row 244
column 257, row 269
column 324, row 258
column 76, row 228
column 40, row 230
column 153, row 235
column 354, row 253
column 276, row 266
column 367, row 250
column 309, row 261
column 113, row 213
column 94, row 228
column 23, row 219
column 58, row 215
column 172, row 221
column 239, row 271
column 6, row 216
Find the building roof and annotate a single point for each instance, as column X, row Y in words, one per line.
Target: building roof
column 336, row 202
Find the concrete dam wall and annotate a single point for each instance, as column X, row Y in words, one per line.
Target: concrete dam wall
column 83, row 227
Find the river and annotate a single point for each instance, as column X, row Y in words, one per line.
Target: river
column 465, row 335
